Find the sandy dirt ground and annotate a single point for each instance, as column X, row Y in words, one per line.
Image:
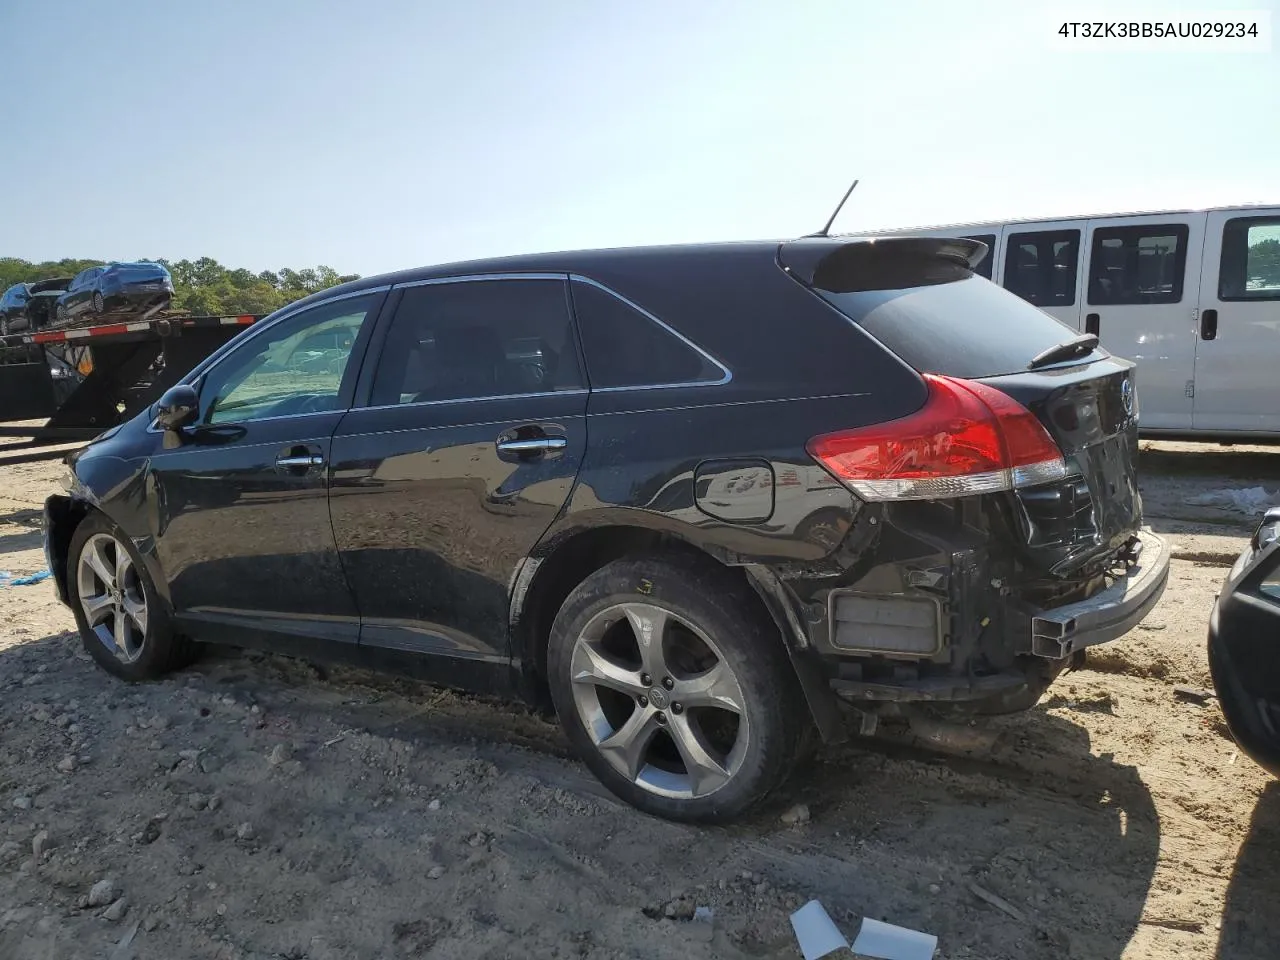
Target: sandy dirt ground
column 258, row 807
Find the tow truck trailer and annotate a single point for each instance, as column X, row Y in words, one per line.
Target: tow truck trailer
column 65, row 386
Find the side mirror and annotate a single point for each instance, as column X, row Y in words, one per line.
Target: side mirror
column 178, row 407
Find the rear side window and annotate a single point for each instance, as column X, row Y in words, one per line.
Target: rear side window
column 1250, row 267
column 1138, row 265
column 628, row 348
column 965, row 328
column 478, row 339
column 984, row 267
column 1040, row 266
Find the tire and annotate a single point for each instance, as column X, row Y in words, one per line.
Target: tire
column 142, row 652
column 708, row 622
column 60, row 314
column 99, row 304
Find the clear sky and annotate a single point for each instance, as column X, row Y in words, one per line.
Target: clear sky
column 383, row 134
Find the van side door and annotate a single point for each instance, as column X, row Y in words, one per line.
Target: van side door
column 1236, row 385
column 1141, row 290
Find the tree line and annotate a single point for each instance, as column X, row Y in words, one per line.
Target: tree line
column 202, row 287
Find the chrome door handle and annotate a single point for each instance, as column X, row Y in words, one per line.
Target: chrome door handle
column 536, row 445
column 296, row 462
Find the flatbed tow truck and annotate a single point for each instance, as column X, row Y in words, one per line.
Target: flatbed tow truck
column 62, row 386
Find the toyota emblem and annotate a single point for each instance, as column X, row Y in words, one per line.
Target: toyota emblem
column 1126, row 394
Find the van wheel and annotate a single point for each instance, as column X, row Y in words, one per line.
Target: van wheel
column 680, row 701
column 123, row 624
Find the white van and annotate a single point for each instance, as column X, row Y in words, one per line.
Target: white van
column 1192, row 296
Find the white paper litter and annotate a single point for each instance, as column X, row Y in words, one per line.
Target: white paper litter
column 817, row 932
column 820, row 937
column 1250, row 500
column 888, row 942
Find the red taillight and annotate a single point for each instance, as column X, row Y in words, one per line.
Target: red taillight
column 968, row 438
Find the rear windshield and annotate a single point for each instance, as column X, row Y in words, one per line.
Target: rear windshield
column 963, row 328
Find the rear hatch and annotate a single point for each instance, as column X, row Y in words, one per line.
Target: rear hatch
column 920, row 298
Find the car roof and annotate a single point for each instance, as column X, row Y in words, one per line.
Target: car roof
column 583, row 262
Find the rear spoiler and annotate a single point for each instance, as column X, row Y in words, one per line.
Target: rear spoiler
column 846, row 265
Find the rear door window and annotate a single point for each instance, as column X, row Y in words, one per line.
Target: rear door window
column 478, row 339
column 1137, row 265
column 626, row 348
column 1040, row 266
column 1250, row 266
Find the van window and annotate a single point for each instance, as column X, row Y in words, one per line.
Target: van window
column 1137, row 265
column 983, row 269
column 1040, row 266
column 1250, row 266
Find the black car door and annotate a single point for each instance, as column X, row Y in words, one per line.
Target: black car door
column 464, row 452
column 242, row 531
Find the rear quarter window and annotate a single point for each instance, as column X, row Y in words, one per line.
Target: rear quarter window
column 966, row 327
column 627, row 348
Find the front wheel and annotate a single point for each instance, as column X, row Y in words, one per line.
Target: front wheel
column 675, row 688
column 123, row 623
column 99, row 304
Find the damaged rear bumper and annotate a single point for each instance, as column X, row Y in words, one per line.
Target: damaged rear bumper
column 1058, row 633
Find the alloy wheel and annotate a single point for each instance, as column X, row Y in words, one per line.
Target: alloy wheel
column 112, row 597
column 99, row 305
column 659, row 701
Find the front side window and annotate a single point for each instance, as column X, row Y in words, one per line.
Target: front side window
column 1040, row 266
column 1138, row 265
column 300, row 365
column 1250, row 266
column 478, row 339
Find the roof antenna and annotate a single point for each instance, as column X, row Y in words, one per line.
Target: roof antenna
column 826, row 230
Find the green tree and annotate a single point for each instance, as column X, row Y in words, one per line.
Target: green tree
column 1264, row 260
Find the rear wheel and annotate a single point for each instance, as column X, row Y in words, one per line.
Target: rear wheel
column 61, row 313
column 123, row 624
column 681, row 701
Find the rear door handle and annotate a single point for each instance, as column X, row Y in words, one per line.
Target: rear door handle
column 1208, row 324
column 532, row 445
column 1092, row 324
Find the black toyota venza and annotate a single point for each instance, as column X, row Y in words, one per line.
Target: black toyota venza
column 1244, row 635
column 702, row 496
